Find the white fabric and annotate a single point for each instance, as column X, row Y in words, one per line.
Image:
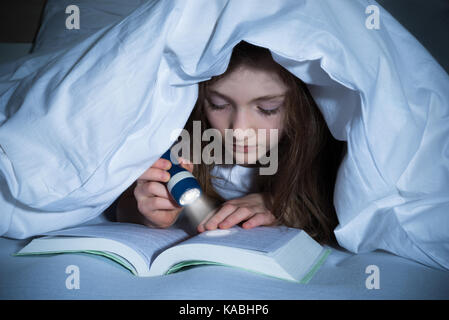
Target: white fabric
column 78, row 125
column 234, row 181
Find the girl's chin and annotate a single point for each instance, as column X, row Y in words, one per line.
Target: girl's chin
column 245, row 157
column 248, row 156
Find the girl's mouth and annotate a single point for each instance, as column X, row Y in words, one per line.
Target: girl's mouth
column 245, row 149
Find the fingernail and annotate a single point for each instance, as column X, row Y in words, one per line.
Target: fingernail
column 167, row 165
column 166, row 176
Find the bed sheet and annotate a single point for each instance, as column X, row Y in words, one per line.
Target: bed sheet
column 343, row 276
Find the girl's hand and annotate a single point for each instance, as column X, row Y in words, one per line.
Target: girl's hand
column 250, row 208
column 154, row 202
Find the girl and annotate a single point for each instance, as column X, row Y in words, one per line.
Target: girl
column 254, row 93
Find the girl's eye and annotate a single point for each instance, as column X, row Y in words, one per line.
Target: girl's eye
column 268, row 112
column 217, row 107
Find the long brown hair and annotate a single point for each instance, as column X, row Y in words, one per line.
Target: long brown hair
column 301, row 191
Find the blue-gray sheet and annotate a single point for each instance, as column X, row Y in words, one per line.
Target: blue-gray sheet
column 343, row 276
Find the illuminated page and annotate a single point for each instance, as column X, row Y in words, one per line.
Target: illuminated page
column 263, row 239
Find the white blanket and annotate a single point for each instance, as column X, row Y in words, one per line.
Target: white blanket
column 80, row 124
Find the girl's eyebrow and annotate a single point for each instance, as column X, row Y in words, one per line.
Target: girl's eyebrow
column 267, row 97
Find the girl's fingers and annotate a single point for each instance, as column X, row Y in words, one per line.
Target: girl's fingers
column 161, row 218
column 200, row 227
column 155, row 171
column 237, row 216
column 162, row 163
column 259, row 219
column 185, row 164
column 158, row 171
column 212, row 222
column 153, row 196
column 151, row 205
column 154, row 174
column 151, row 189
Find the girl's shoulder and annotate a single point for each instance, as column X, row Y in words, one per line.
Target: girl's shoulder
column 233, row 181
column 231, row 172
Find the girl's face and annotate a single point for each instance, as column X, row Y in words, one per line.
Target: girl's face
column 247, row 99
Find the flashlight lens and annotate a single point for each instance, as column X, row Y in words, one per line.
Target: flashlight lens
column 189, row 196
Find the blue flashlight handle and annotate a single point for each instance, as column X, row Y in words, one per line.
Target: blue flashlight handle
column 184, row 180
column 175, row 168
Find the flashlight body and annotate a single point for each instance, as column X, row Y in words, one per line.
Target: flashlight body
column 181, row 180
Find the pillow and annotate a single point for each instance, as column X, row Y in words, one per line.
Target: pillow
column 78, row 130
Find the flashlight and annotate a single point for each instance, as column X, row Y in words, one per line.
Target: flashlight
column 182, row 185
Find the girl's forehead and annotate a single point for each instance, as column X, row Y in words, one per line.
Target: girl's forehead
column 250, row 81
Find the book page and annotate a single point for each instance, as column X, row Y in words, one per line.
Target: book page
column 263, row 239
column 148, row 242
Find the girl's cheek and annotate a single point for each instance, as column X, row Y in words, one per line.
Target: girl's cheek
column 210, row 118
column 218, row 120
column 214, row 123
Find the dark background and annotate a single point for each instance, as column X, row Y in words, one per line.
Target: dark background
column 20, row 19
column 427, row 20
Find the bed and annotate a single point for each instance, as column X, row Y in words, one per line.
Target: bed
column 346, row 274
column 343, row 276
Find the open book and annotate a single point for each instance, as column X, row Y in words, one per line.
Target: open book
column 280, row 252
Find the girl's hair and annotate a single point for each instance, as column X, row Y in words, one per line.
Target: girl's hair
column 301, row 191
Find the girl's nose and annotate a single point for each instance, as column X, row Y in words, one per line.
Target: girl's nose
column 242, row 127
column 240, row 120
